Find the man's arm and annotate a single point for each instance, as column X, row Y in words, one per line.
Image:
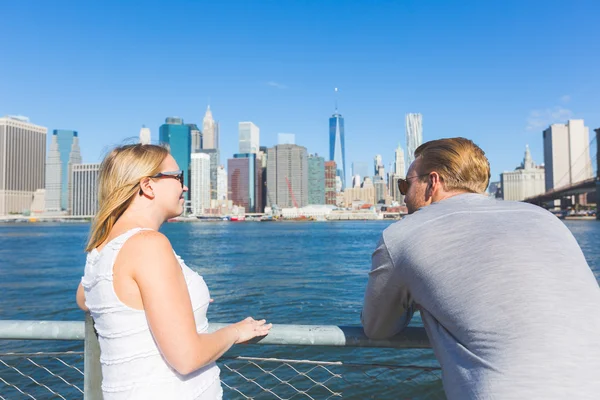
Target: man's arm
column 387, row 307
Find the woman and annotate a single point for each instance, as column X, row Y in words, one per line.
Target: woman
column 149, row 308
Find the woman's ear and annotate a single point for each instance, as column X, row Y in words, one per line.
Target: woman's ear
column 146, row 188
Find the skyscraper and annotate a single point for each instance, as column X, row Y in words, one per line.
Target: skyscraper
column 399, row 165
column 84, row 195
column 177, row 135
column 221, row 183
column 414, row 135
column 145, row 137
column 330, row 175
column 337, row 147
column 249, row 137
column 200, row 182
column 214, row 166
column 245, row 183
column 64, row 153
column 210, row 131
column 22, row 163
column 316, row 179
column 377, row 165
column 196, row 137
column 287, row 175
column 567, row 154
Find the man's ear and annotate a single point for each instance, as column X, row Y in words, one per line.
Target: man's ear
column 146, row 188
column 433, row 182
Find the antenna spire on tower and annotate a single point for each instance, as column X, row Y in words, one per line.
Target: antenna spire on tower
column 336, row 100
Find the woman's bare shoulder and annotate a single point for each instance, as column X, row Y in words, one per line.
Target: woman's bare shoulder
column 148, row 246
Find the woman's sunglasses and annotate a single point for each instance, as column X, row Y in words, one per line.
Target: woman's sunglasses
column 174, row 174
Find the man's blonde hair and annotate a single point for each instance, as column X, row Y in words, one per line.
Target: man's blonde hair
column 118, row 184
column 460, row 163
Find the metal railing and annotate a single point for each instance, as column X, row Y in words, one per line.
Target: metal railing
column 261, row 375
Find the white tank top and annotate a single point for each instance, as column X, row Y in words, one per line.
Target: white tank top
column 132, row 365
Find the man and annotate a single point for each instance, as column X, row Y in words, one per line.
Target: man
column 510, row 306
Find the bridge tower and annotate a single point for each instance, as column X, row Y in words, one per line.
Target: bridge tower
column 597, row 173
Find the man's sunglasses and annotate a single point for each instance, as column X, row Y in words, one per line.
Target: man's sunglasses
column 404, row 184
column 175, row 174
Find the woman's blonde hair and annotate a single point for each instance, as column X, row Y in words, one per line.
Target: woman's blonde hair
column 118, row 184
column 461, row 164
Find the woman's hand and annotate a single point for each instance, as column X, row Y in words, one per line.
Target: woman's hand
column 250, row 328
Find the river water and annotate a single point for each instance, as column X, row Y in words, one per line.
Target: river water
column 286, row 272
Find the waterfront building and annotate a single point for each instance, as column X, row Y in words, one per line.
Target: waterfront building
column 38, row 205
column 22, row 163
column 249, row 137
column 394, row 190
column 200, row 182
column 414, row 135
column 214, row 166
column 566, row 154
column 84, row 196
column 210, row 131
column 262, row 161
column 221, row 183
column 286, row 138
column 399, row 167
column 145, row 136
column 337, row 147
column 196, row 136
column 363, row 195
column 287, row 175
column 380, row 190
column 316, row 179
column 63, row 154
column 495, row 190
column 330, row 175
column 177, row 135
column 525, row 181
column 245, row 182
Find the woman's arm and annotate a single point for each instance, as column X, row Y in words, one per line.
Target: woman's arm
column 168, row 306
column 81, row 298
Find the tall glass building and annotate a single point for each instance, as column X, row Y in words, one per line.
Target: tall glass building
column 316, row 179
column 177, row 135
column 64, row 153
column 414, row 136
column 245, row 181
column 337, row 148
column 214, row 166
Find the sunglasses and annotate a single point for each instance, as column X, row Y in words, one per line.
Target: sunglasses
column 404, row 184
column 174, row 174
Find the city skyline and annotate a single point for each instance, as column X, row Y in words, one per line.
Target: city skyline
column 485, row 81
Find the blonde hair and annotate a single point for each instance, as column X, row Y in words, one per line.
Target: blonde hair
column 461, row 164
column 118, row 184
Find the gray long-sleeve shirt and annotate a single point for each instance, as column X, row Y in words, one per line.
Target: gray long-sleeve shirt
column 507, row 298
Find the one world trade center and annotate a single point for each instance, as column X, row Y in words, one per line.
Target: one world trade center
column 337, row 149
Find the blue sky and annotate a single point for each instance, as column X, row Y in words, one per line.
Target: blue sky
column 496, row 72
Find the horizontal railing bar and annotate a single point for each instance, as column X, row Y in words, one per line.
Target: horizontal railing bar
column 332, row 335
column 42, row 330
column 43, row 354
column 285, row 335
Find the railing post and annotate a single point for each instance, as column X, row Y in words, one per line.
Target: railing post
column 92, row 379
